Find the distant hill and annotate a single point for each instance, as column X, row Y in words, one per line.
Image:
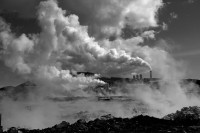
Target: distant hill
column 23, row 90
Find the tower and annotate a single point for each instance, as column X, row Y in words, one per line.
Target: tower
column 1, row 128
column 137, row 77
column 134, row 77
column 150, row 74
column 140, row 76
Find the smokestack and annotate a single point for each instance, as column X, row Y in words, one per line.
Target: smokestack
column 134, row 77
column 140, row 76
column 1, row 128
column 150, row 74
column 137, row 77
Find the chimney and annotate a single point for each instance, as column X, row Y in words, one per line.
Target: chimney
column 1, row 128
column 137, row 77
column 134, row 77
column 140, row 76
column 150, row 74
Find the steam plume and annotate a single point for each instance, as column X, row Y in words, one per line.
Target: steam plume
column 108, row 17
column 65, row 46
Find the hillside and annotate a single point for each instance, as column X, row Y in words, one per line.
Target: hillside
column 28, row 87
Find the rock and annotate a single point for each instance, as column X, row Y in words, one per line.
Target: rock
column 106, row 117
column 186, row 113
column 63, row 124
column 12, row 130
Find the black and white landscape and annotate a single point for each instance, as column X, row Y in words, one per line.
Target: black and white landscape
column 99, row 65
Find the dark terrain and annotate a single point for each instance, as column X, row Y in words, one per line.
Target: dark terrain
column 185, row 121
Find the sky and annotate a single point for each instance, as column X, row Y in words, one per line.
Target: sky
column 48, row 41
column 184, row 34
column 178, row 26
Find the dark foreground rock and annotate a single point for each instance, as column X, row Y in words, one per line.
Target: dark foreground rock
column 186, row 116
column 184, row 121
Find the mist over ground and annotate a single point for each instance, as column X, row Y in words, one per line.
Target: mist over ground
column 52, row 58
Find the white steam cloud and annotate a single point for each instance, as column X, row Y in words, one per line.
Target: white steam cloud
column 64, row 47
column 109, row 17
column 49, row 58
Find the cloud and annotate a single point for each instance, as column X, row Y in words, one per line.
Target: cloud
column 109, row 17
column 191, row 1
column 64, row 45
column 104, row 18
column 14, row 50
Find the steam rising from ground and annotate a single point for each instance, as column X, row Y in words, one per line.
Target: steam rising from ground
column 172, row 94
column 52, row 57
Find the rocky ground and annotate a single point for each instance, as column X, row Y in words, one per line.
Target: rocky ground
column 187, row 120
